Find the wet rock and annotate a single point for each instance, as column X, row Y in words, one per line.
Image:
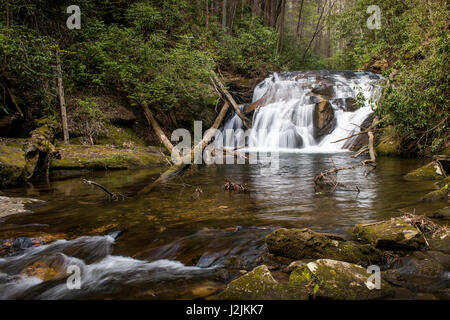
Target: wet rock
column 443, row 213
column 12, row 167
column 440, row 240
column 307, row 244
column 442, row 183
column 431, row 171
column 9, row 206
column 437, row 195
column 393, row 234
column 324, row 89
column 419, row 271
column 22, row 243
column 18, row 244
column 259, row 284
column 337, row 280
column 323, row 119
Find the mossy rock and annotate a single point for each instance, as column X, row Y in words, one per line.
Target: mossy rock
column 443, row 214
column 120, row 136
column 104, row 158
column 393, row 234
column 389, row 143
column 259, row 284
column 307, row 244
column 440, row 240
column 338, row 280
column 431, row 171
column 437, row 195
column 12, row 167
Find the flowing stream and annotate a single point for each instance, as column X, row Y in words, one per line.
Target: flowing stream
column 172, row 244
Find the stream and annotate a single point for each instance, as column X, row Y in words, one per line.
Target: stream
column 172, row 246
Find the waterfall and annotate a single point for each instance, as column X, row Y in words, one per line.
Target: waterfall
column 285, row 118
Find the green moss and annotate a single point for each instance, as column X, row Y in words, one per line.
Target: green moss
column 389, row 143
column 12, row 167
column 307, row 244
column 431, row 171
column 103, row 157
column 436, row 195
column 117, row 136
column 394, row 234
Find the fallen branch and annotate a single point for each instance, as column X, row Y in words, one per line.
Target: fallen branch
column 231, row 186
column 185, row 161
column 113, row 196
column 227, row 97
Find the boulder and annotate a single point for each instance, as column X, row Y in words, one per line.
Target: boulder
column 259, row 284
column 9, row 206
column 323, row 119
column 338, row 280
column 443, row 213
column 440, row 240
column 431, row 171
column 419, row 271
column 323, row 89
column 437, row 195
column 12, row 167
column 393, row 234
column 307, row 244
column 388, row 143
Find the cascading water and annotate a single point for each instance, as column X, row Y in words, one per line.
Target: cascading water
column 285, row 119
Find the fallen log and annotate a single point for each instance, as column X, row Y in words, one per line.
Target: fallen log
column 227, row 97
column 184, row 162
column 155, row 125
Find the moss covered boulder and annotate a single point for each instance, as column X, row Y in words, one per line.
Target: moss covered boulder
column 443, row 214
column 338, row 280
column 259, row 284
column 307, row 244
column 393, row 234
column 12, row 166
column 431, row 171
column 102, row 157
column 388, row 143
column 437, row 195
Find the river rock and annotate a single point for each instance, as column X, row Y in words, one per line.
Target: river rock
column 393, row 234
column 431, row 171
column 12, row 167
column 307, row 244
column 443, row 213
column 9, row 206
column 424, row 271
column 437, row 195
column 440, row 240
column 324, row 89
column 338, row 280
column 259, row 284
column 323, row 119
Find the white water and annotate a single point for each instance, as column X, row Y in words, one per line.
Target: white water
column 285, row 122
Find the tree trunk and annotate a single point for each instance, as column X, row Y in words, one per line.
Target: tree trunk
column 224, row 15
column 62, row 103
column 300, row 21
column 227, row 97
column 188, row 159
column 155, row 125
